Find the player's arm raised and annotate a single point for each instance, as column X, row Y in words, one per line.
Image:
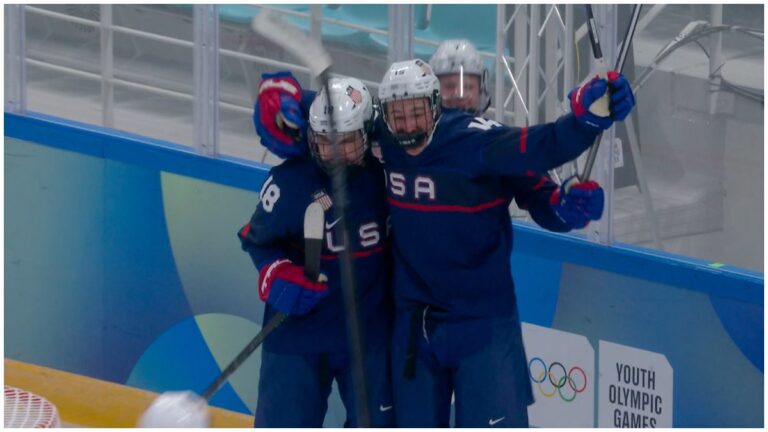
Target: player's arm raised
column 280, row 114
column 540, row 148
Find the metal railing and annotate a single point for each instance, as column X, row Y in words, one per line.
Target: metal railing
column 190, row 44
column 153, row 88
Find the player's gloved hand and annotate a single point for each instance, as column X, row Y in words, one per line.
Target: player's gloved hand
column 577, row 203
column 277, row 115
column 283, row 285
column 622, row 99
column 597, row 111
column 582, row 100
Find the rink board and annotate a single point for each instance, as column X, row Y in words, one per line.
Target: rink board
column 89, row 402
column 123, row 250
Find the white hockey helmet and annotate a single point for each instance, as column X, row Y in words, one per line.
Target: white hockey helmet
column 410, row 80
column 353, row 115
column 176, row 409
column 459, row 56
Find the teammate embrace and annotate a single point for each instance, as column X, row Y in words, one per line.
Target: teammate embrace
column 301, row 358
column 450, row 176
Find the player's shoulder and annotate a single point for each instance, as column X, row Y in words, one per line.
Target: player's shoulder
column 461, row 122
column 287, row 189
column 453, row 117
column 294, row 178
column 374, row 176
column 373, row 165
column 295, row 168
column 458, row 127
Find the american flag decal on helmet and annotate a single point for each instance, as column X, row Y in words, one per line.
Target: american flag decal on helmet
column 425, row 69
column 322, row 198
column 354, row 94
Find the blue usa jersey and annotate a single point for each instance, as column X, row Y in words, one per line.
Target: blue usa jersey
column 451, row 229
column 276, row 231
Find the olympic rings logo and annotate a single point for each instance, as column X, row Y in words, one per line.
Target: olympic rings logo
column 553, row 379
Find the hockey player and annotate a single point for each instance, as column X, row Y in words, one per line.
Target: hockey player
column 457, row 328
column 464, row 85
column 463, row 76
column 303, row 356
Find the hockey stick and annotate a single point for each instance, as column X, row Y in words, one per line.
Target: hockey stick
column 313, row 55
column 174, row 409
column 272, row 324
column 600, row 106
column 314, row 217
column 598, row 53
column 313, row 243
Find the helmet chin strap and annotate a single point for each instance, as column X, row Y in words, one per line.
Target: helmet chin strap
column 408, row 140
column 413, row 139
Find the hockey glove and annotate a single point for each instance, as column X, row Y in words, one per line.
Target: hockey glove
column 622, row 99
column 282, row 284
column 577, row 203
column 277, row 115
column 582, row 99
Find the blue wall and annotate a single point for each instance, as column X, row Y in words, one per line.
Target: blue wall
column 123, row 250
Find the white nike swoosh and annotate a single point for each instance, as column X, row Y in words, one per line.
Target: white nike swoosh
column 332, row 224
column 383, row 408
column 492, row 422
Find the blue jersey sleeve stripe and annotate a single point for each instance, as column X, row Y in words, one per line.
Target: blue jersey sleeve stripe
column 523, row 139
column 542, row 181
column 446, row 208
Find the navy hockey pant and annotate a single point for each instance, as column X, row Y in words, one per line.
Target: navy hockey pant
column 480, row 361
column 294, row 389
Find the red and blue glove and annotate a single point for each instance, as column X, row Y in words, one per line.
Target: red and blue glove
column 585, row 101
column 622, row 98
column 283, row 285
column 577, row 203
column 277, row 115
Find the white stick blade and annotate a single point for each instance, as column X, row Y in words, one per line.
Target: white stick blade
column 314, row 217
column 309, row 51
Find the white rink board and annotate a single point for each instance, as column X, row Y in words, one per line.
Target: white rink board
column 560, row 401
column 635, row 388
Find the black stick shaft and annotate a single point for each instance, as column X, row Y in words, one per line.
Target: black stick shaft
column 628, row 36
column 317, row 59
column 275, row 321
column 354, row 335
column 597, row 50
